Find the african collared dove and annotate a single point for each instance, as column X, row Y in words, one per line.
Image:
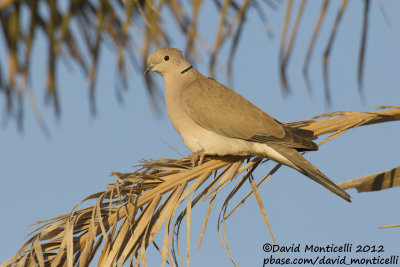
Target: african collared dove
column 215, row 120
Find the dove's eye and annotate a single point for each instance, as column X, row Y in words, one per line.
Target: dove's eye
column 166, row 58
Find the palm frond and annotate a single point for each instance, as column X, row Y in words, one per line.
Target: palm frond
column 126, row 217
column 287, row 45
column 374, row 182
column 77, row 32
column 389, row 226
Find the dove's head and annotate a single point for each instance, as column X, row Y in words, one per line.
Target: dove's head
column 166, row 60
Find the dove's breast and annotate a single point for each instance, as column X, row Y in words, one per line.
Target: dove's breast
column 198, row 138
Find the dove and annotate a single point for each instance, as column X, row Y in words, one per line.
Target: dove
column 215, row 120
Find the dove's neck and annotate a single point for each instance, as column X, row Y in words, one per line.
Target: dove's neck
column 177, row 80
column 175, row 84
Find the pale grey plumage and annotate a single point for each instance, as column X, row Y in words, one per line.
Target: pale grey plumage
column 213, row 118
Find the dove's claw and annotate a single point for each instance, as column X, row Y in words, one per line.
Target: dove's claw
column 194, row 156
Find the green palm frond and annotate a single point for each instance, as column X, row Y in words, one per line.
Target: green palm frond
column 125, row 218
column 78, row 30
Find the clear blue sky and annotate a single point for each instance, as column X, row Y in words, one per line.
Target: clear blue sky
column 44, row 178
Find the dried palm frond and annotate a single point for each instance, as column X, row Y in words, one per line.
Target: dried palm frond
column 126, row 217
column 76, row 31
column 389, row 226
column 286, row 46
column 374, row 182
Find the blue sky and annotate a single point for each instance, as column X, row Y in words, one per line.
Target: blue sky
column 44, row 178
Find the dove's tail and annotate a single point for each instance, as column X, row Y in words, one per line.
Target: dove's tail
column 298, row 162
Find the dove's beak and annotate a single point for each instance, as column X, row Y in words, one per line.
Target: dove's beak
column 149, row 67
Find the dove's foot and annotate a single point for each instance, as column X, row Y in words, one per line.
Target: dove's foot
column 193, row 157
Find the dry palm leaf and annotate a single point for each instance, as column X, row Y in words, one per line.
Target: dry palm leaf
column 389, row 226
column 126, row 217
column 374, row 182
column 77, row 30
column 286, row 46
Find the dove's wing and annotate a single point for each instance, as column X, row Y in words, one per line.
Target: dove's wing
column 221, row 110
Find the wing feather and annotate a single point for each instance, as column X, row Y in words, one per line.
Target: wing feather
column 222, row 110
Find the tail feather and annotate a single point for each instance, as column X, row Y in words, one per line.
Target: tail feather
column 309, row 170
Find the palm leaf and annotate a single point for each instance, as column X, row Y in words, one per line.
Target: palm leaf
column 374, row 182
column 133, row 28
column 127, row 216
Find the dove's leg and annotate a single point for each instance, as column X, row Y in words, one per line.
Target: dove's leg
column 194, row 156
